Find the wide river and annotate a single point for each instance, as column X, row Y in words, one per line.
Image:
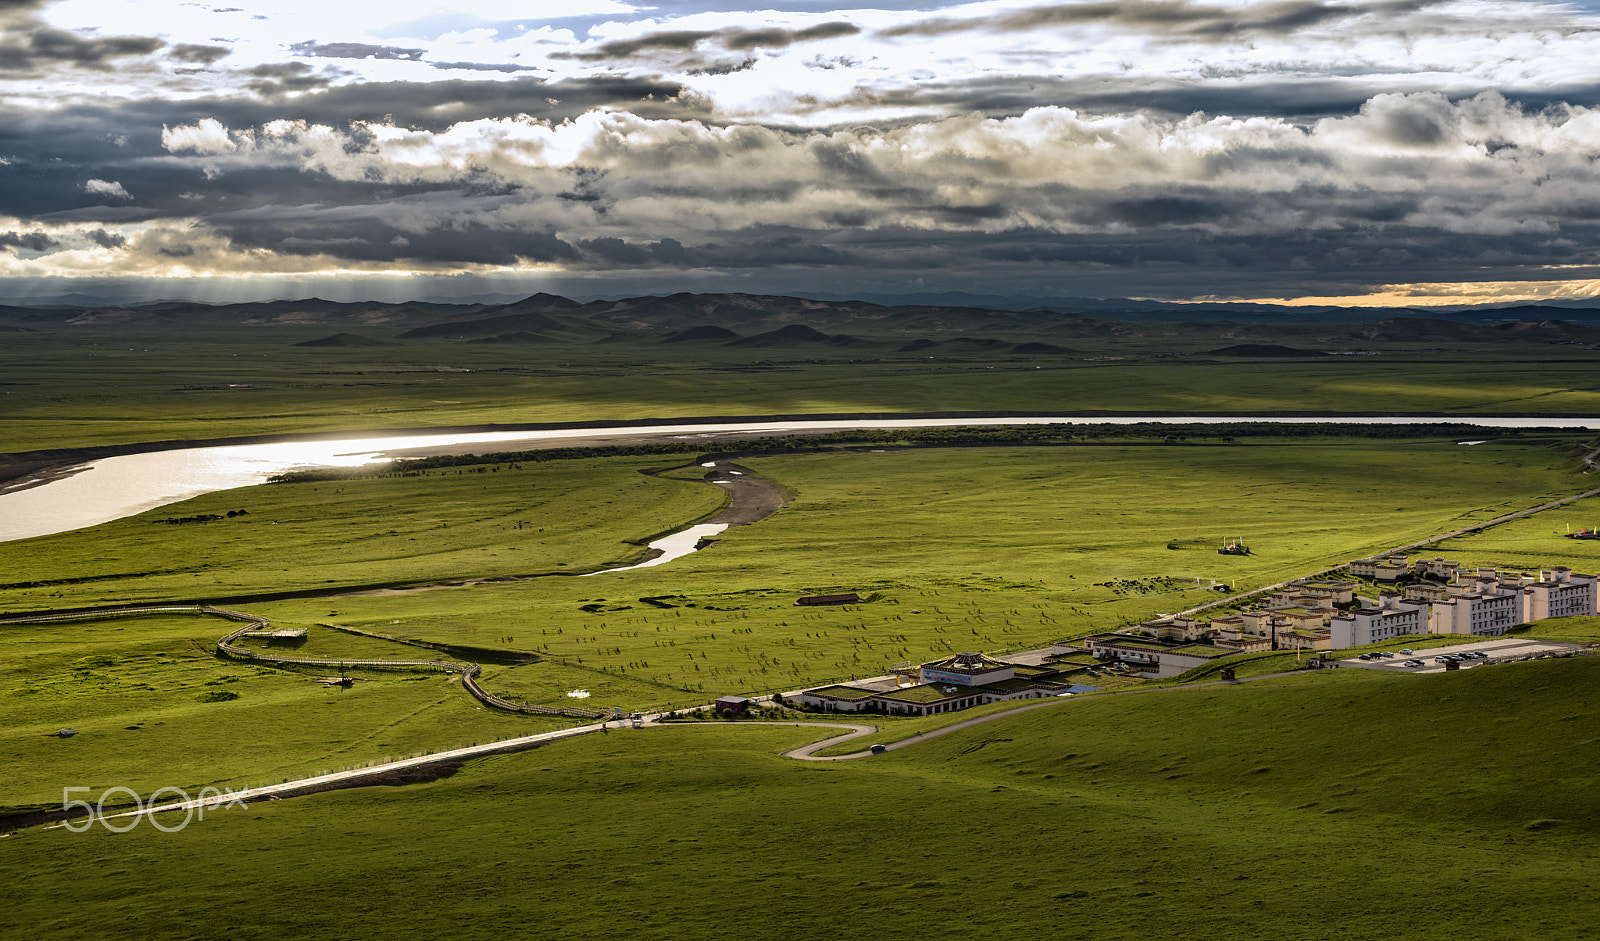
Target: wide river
column 116, row 487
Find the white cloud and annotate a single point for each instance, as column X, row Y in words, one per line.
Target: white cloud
column 1481, row 166
column 109, row 189
column 208, row 136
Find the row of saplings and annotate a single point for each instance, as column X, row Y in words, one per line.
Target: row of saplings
column 779, row 709
column 756, row 711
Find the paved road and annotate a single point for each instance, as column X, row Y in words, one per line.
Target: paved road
column 808, row 752
column 852, row 731
column 272, row 791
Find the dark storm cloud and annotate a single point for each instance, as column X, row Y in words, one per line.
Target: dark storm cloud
column 1340, row 262
column 368, row 239
column 1167, row 17
column 436, row 105
column 106, row 239
column 507, row 67
column 354, row 50
column 671, row 41
column 199, row 54
column 31, row 241
column 743, row 39
column 1000, row 96
column 1298, row 98
column 280, row 77
column 737, row 40
column 49, row 154
column 30, row 44
column 14, row 10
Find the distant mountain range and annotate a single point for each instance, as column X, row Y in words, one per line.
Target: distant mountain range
column 932, row 324
column 1115, row 307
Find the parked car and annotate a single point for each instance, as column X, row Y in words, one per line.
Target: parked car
column 1385, row 655
column 1443, row 659
column 1413, row 663
column 1408, row 652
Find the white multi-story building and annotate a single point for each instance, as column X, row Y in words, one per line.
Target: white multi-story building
column 1438, row 568
column 1391, row 618
column 1383, row 569
column 1487, row 612
column 1559, row 592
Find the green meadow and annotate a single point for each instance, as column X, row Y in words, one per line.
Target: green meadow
column 480, row 522
column 1352, row 804
column 1537, row 541
column 1380, row 804
column 961, row 549
column 115, row 385
column 994, row 549
column 154, row 707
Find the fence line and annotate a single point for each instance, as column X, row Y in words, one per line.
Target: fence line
column 227, row 649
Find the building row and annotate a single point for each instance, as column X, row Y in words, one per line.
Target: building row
column 948, row 685
column 1445, row 598
column 1482, row 602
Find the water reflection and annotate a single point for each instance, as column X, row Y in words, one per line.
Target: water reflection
column 122, row 486
column 675, row 546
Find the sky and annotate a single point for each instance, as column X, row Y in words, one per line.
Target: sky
column 1388, row 152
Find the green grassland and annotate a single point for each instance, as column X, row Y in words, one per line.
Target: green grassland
column 480, row 522
column 107, row 385
column 138, row 691
column 1535, row 542
column 1572, row 630
column 959, row 549
column 956, row 549
column 1345, row 802
column 1355, row 803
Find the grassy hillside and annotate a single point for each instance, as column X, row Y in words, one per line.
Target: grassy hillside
column 1360, row 804
column 154, row 707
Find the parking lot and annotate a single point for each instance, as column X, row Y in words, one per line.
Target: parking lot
column 1499, row 650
